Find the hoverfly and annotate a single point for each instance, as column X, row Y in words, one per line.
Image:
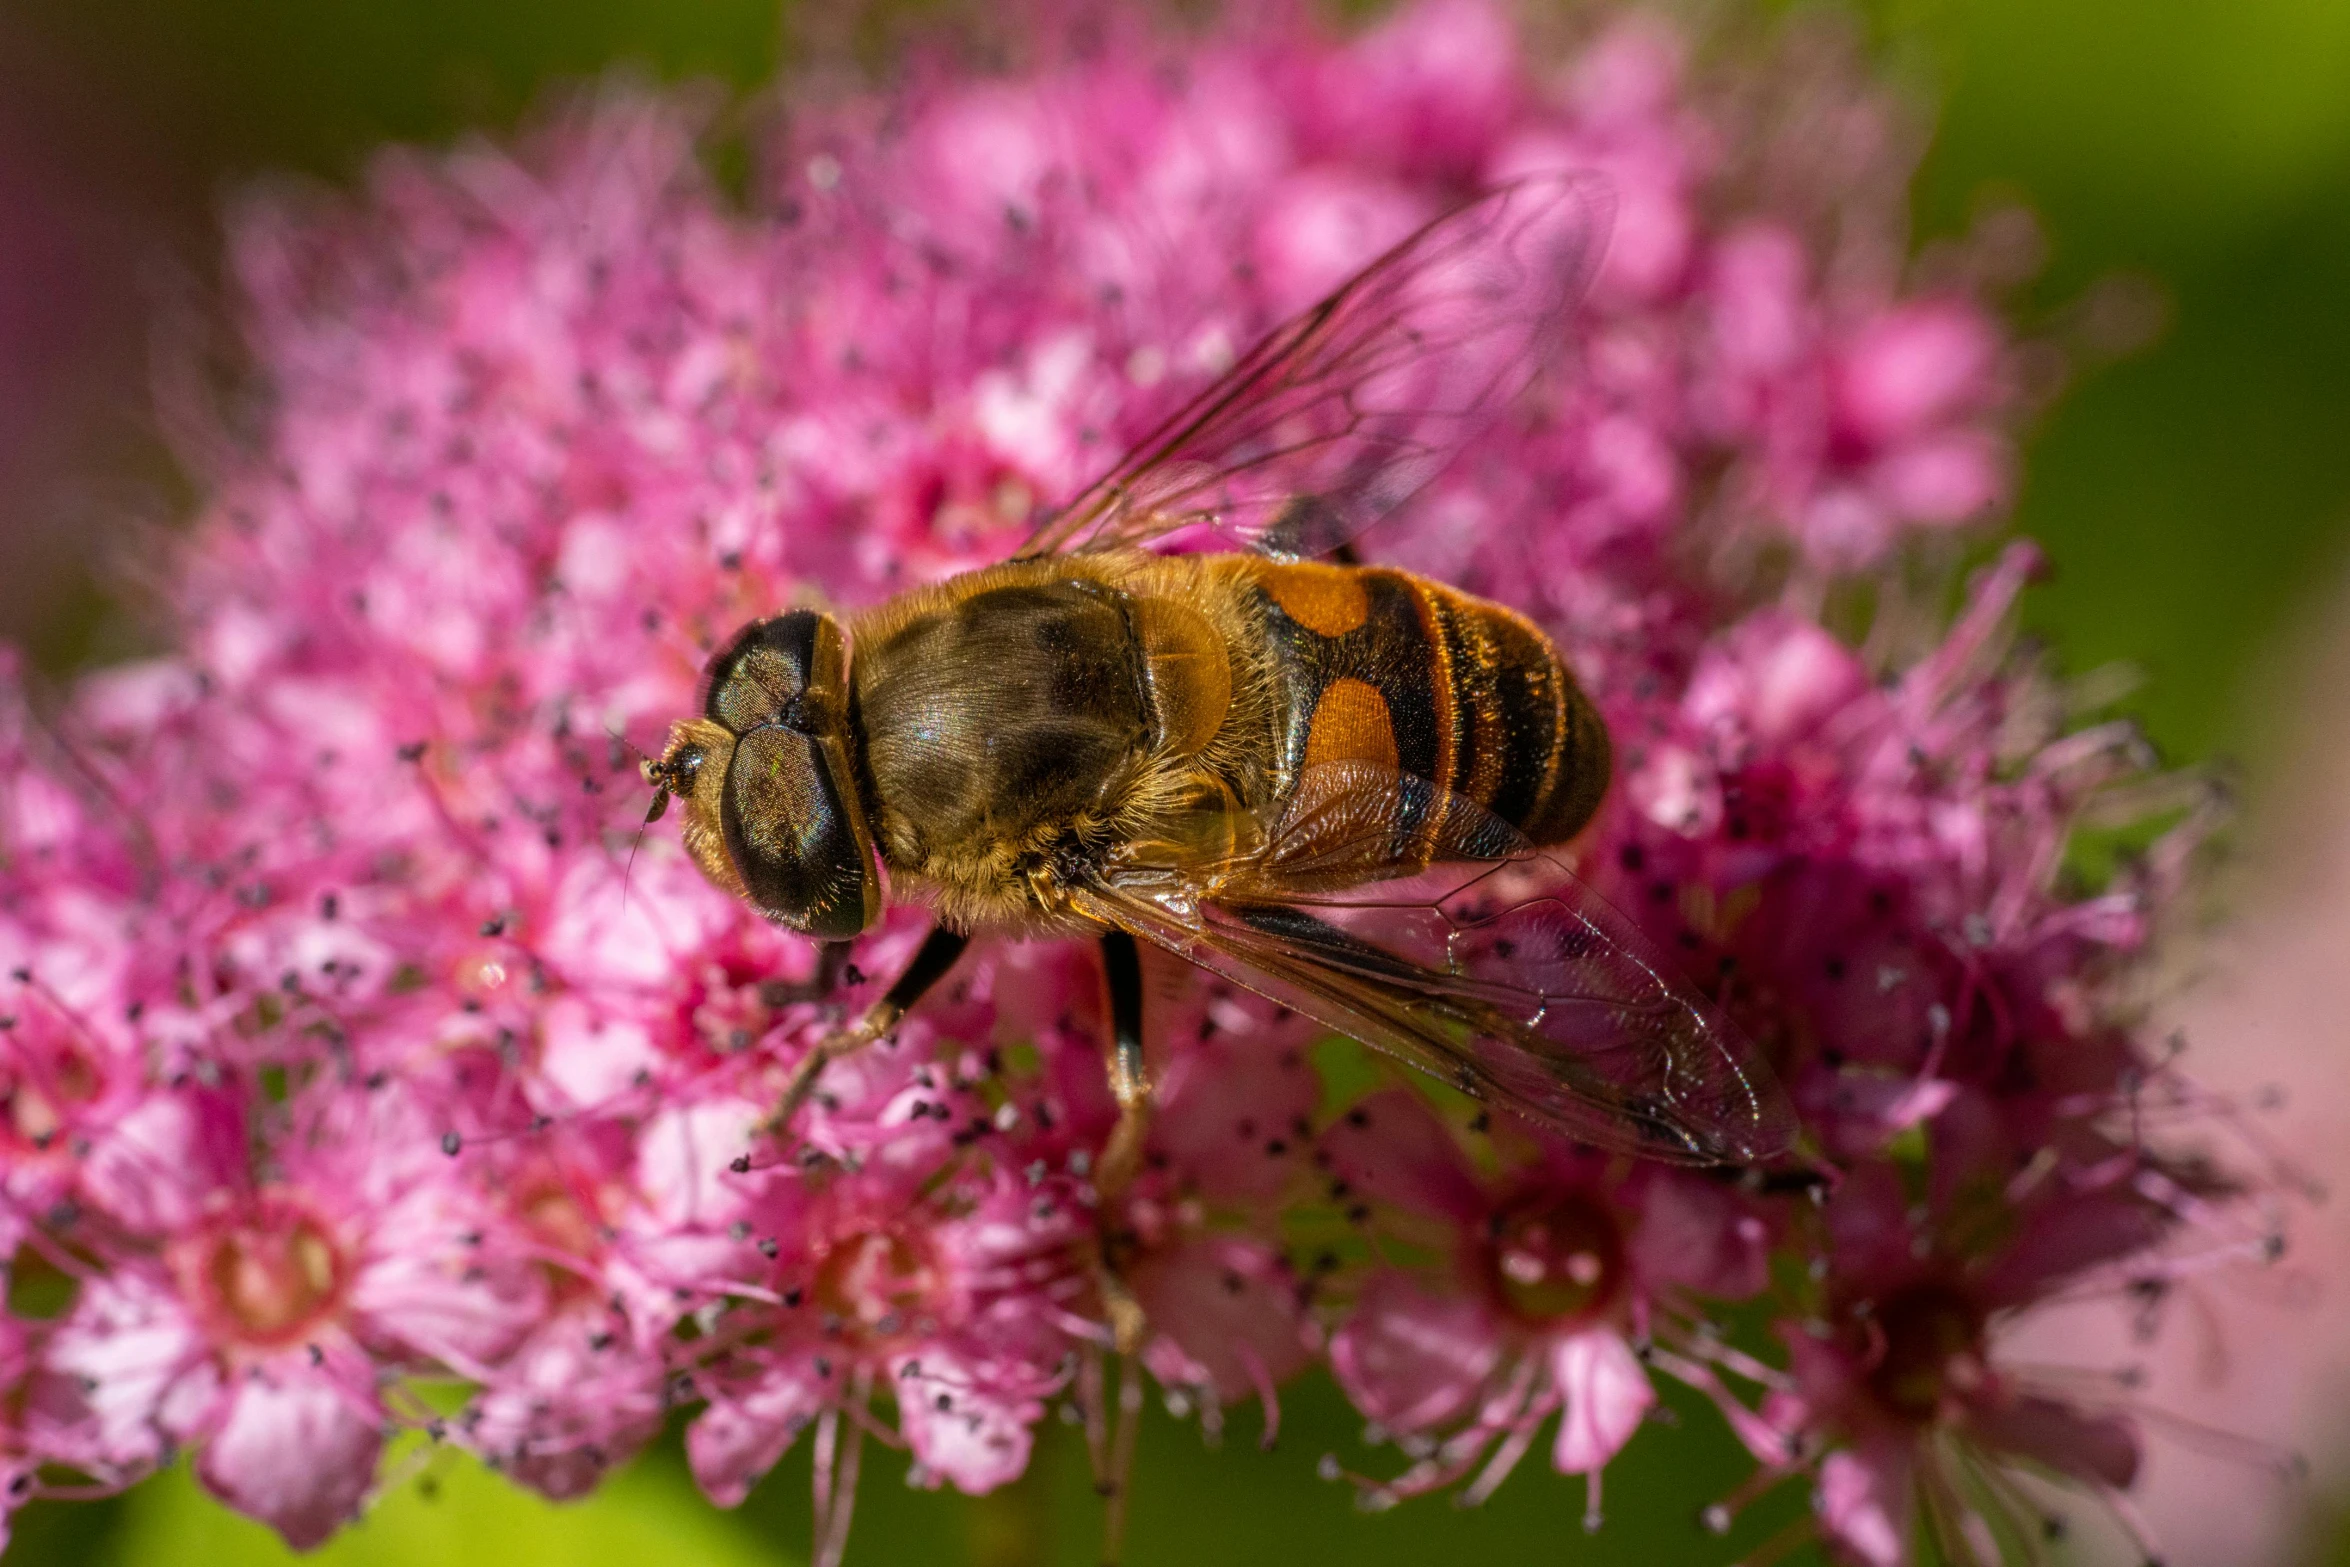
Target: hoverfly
column 1327, row 782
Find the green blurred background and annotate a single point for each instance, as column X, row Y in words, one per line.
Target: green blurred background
column 2194, row 500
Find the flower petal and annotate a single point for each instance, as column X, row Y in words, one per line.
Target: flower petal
column 1410, row 1359
column 1863, row 1504
column 739, row 1438
column 295, row 1451
column 1607, row 1392
column 1391, row 1148
column 1230, row 1308
column 961, row 1427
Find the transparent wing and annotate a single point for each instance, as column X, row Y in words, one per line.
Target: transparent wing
column 1476, row 958
column 1337, row 417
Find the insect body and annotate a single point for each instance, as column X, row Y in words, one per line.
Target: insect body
column 1032, row 729
column 1327, row 782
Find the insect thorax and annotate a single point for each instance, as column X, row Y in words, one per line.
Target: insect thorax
column 1010, row 721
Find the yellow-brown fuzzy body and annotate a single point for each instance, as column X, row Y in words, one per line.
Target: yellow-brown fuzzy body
column 1005, row 734
column 1019, row 726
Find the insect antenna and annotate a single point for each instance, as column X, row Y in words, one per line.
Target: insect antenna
column 663, row 788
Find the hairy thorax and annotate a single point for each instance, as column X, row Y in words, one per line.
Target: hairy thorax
column 1023, row 723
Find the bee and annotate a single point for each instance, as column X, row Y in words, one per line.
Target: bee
column 1182, row 715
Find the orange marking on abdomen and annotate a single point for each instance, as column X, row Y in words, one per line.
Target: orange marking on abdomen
column 1327, row 600
column 1351, row 724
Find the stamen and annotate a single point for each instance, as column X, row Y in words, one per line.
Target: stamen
column 1122, row 1458
column 1505, row 1457
column 834, row 1540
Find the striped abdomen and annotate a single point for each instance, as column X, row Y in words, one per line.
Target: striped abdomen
column 1375, row 665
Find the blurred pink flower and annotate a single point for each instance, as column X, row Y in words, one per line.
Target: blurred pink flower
column 357, row 1031
column 2249, row 1370
column 1558, row 1284
column 257, row 1333
column 1902, row 1376
column 958, row 1300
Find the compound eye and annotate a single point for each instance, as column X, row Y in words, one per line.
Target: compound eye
column 796, row 836
column 764, row 675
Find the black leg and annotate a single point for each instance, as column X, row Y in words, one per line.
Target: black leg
column 1122, row 973
column 932, row 960
column 1122, row 969
column 832, row 958
column 937, row 954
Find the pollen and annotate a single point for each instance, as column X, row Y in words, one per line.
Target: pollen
column 271, row 1276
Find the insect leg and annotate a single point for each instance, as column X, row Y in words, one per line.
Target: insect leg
column 832, row 959
column 932, row 960
column 1122, row 967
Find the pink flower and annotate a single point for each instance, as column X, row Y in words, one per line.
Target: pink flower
column 293, row 1451
column 1428, row 92
column 574, row 1401
column 958, row 1306
column 255, row 1331
column 1862, row 430
column 1901, row 1371
column 1911, row 368
column 2261, row 1359
column 1565, row 1279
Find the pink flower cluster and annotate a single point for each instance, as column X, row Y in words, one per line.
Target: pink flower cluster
column 364, row 1070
